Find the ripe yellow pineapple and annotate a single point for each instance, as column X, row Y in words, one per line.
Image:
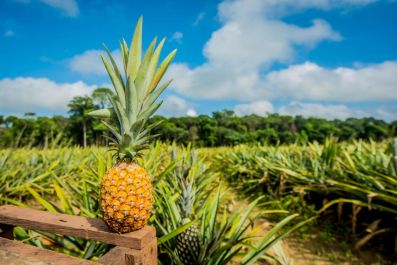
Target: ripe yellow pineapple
column 126, row 192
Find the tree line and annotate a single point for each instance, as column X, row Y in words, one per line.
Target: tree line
column 222, row 128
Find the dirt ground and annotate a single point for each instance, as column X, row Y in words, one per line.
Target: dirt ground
column 315, row 252
column 312, row 250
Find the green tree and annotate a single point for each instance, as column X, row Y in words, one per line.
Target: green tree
column 101, row 96
column 78, row 108
column 46, row 128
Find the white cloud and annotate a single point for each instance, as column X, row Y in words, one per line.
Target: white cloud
column 177, row 37
column 254, row 36
column 90, row 62
column 191, row 112
column 386, row 113
column 26, row 94
column 327, row 111
column 311, row 81
column 247, row 43
column 9, row 33
column 303, row 81
column 256, row 107
column 175, row 106
column 279, row 8
column 199, row 18
column 69, row 7
column 336, row 111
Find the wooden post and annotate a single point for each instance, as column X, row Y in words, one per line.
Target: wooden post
column 128, row 256
column 148, row 255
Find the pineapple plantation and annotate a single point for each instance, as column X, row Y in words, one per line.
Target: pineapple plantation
column 240, row 204
column 195, row 191
column 190, row 209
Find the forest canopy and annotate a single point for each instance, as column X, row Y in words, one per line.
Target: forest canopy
column 222, row 128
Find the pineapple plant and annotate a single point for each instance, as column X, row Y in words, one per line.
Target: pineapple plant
column 188, row 242
column 394, row 152
column 126, row 191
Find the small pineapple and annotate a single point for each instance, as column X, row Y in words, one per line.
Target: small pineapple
column 187, row 242
column 394, row 152
column 126, row 191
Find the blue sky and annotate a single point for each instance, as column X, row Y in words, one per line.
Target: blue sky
column 327, row 58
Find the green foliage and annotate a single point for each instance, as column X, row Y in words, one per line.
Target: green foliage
column 136, row 96
column 355, row 182
column 79, row 107
column 352, row 186
column 101, row 96
column 224, row 237
column 67, row 181
column 222, row 129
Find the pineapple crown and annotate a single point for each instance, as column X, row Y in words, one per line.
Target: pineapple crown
column 186, row 181
column 136, row 94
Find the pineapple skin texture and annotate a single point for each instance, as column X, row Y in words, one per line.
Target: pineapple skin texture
column 188, row 245
column 126, row 197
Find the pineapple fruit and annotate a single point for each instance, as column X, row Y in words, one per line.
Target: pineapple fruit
column 126, row 192
column 187, row 242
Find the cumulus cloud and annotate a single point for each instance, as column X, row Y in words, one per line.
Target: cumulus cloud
column 302, row 81
column 337, row 111
column 254, row 36
column 177, row 37
column 199, row 18
column 322, row 110
column 328, row 111
column 248, row 42
column 69, row 7
column 311, row 81
column 279, row 8
column 26, row 94
column 90, row 62
column 261, row 108
column 9, row 33
column 176, row 106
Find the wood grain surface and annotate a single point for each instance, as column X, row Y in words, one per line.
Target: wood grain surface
column 126, row 256
column 17, row 253
column 83, row 227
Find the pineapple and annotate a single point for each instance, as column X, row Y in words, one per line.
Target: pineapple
column 187, row 242
column 126, row 192
column 394, row 151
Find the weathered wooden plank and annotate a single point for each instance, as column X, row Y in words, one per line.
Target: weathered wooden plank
column 126, row 256
column 16, row 253
column 146, row 256
column 83, row 227
column 115, row 256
